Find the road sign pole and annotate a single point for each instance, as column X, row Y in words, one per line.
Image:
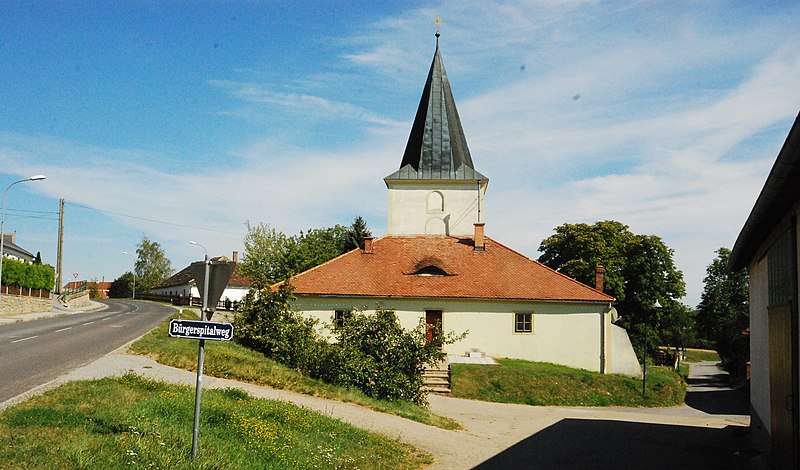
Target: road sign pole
column 200, row 353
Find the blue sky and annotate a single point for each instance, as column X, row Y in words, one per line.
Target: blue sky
column 182, row 121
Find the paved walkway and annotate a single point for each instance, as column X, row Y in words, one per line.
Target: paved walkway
column 505, row 436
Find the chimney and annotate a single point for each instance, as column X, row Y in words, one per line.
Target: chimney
column 599, row 277
column 367, row 244
column 235, row 256
column 480, row 241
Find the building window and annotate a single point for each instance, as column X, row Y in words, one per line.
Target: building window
column 339, row 317
column 435, row 202
column 523, row 323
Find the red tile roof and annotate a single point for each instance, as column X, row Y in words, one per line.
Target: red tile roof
column 389, row 271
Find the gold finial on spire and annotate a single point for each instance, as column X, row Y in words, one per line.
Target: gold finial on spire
column 438, row 22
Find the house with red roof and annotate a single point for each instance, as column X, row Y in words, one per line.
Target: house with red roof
column 436, row 265
column 181, row 287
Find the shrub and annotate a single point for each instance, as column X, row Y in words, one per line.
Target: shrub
column 381, row 358
column 371, row 352
column 266, row 324
column 34, row 276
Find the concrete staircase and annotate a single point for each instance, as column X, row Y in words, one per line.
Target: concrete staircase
column 436, row 378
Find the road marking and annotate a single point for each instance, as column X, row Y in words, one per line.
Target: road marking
column 25, row 339
column 63, row 329
column 88, row 323
column 104, row 319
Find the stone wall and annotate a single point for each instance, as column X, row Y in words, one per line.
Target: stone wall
column 15, row 304
column 78, row 299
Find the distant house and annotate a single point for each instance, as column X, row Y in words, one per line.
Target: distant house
column 436, row 265
column 768, row 247
column 13, row 251
column 102, row 287
column 182, row 288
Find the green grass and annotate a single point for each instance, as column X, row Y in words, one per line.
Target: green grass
column 698, row 355
column 134, row 422
column 536, row 383
column 229, row 360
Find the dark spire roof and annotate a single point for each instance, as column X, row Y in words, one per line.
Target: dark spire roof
column 437, row 148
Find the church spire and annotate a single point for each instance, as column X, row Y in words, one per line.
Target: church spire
column 437, row 148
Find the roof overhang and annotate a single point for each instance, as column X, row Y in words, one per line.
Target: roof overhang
column 777, row 199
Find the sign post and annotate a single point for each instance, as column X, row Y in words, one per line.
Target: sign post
column 211, row 291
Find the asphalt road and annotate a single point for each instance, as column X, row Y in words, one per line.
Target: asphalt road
column 36, row 352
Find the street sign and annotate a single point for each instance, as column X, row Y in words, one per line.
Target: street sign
column 220, row 274
column 194, row 329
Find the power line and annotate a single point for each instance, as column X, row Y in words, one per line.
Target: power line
column 163, row 222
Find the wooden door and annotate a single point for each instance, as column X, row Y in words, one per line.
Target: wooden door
column 780, row 384
column 433, row 317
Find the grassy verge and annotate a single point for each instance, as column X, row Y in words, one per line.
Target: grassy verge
column 134, row 422
column 536, row 383
column 226, row 359
column 699, row 355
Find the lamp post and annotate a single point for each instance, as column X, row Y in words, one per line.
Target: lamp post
column 644, row 353
column 200, row 353
column 133, row 272
column 3, row 224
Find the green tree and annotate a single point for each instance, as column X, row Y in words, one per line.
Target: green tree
column 639, row 271
column 724, row 312
column 152, row 265
column 271, row 256
column 357, row 232
column 121, row 287
column 93, row 289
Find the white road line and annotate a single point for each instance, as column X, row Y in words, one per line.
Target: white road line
column 63, row 329
column 88, row 323
column 25, row 339
column 104, row 319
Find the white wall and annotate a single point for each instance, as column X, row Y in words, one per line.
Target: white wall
column 412, row 210
column 563, row 333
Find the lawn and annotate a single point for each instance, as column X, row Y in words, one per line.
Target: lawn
column 699, row 355
column 229, row 360
column 537, row 383
column 131, row 421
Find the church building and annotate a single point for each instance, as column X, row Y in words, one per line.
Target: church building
column 437, row 265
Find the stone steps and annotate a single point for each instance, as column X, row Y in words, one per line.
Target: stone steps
column 436, row 378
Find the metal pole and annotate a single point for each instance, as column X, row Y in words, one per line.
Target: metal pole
column 200, row 354
column 59, row 261
column 644, row 360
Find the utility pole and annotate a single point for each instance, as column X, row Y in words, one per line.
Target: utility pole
column 59, row 263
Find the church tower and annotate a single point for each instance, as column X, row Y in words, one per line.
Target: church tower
column 437, row 190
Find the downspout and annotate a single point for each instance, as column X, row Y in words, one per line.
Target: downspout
column 603, row 339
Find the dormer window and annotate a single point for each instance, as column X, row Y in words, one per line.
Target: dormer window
column 431, row 270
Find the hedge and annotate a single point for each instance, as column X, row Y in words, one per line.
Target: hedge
column 34, row 276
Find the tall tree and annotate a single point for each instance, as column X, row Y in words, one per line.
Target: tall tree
column 639, row 271
column 357, row 232
column 152, row 265
column 271, row 256
column 724, row 312
column 121, row 287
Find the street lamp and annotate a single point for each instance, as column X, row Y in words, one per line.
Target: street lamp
column 3, row 224
column 134, row 272
column 644, row 353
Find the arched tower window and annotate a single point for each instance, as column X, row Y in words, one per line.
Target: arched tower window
column 435, row 202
